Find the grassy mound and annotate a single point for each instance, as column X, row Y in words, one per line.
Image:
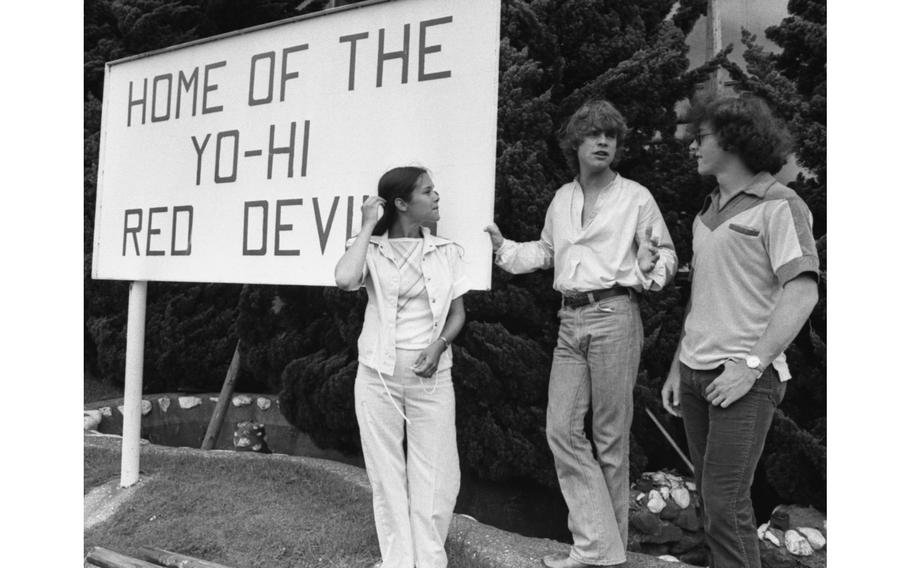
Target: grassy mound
column 256, row 513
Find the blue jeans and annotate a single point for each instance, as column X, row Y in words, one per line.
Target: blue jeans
column 725, row 444
column 595, row 365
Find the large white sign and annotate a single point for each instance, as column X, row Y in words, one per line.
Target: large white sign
column 245, row 158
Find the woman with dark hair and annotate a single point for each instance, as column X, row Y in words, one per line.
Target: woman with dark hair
column 403, row 390
column 754, row 284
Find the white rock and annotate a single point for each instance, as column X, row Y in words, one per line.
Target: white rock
column 664, row 492
column 762, row 529
column 91, row 419
column 659, row 477
column 674, row 479
column 640, row 496
column 213, row 399
column 105, row 411
column 164, row 403
column 668, row 558
column 814, row 536
column 681, row 496
column 690, row 485
column 656, row 503
column 146, row 406
column 187, row 402
column 770, row 536
column 263, row 403
column 797, row 543
column 242, row 400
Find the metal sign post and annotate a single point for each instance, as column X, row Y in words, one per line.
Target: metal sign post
column 132, row 392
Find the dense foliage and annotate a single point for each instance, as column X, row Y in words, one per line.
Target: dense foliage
column 301, row 341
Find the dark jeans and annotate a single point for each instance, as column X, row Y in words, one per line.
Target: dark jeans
column 725, row 444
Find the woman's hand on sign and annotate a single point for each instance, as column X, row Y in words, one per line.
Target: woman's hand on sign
column 370, row 210
column 495, row 236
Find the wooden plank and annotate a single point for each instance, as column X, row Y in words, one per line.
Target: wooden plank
column 175, row 560
column 227, row 389
column 104, row 558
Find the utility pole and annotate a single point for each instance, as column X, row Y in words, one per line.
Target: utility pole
column 713, row 45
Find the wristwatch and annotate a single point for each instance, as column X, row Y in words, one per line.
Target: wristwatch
column 753, row 362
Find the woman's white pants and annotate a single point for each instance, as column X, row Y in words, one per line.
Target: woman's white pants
column 412, row 466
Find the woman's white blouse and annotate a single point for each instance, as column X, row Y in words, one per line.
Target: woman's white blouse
column 443, row 270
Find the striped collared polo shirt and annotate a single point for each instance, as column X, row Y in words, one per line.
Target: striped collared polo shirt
column 743, row 254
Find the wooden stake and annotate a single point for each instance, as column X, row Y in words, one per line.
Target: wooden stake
column 227, row 389
column 104, row 558
column 670, row 439
column 174, row 559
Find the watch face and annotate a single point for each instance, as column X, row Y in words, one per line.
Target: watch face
column 752, row 362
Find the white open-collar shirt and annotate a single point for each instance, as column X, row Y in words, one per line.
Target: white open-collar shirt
column 601, row 253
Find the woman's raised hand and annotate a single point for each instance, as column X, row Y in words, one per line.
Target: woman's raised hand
column 370, row 210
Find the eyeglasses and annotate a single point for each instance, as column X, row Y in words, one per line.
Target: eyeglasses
column 700, row 135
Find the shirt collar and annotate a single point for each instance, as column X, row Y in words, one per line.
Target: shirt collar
column 757, row 186
column 613, row 182
column 430, row 242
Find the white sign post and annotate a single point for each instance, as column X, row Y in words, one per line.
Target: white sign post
column 244, row 158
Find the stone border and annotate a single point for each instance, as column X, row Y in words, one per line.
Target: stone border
column 164, row 411
column 471, row 544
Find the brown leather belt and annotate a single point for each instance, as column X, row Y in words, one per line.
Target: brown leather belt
column 585, row 298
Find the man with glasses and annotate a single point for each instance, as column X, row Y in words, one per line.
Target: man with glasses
column 607, row 242
column 754, row 284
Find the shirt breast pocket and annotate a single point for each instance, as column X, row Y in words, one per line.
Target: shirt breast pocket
column 744, row 230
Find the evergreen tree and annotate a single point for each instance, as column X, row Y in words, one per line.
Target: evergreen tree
column 553, row 56
column 301, row 341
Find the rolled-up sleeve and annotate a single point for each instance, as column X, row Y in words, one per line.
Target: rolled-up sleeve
column 789, row 240
column 363, row 273
column 460, row 282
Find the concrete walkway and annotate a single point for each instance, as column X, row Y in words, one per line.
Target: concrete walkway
column 471, row 544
